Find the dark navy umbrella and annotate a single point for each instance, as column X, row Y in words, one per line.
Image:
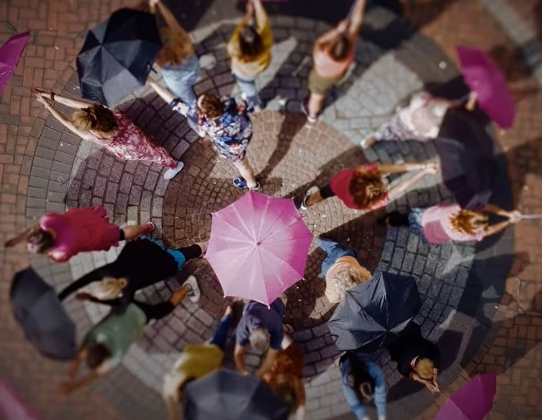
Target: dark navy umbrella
column 228, row 395
column 42, row 317
column 467, row 159
column 371, row 314
column 117, row 56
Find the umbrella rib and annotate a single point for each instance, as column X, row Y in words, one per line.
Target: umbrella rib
column 219, row 216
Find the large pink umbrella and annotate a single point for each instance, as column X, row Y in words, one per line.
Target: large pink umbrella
column 258, row 247
column 485, row 78
column 10, row 54
column 473, row 401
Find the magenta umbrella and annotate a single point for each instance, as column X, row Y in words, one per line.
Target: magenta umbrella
column 258, row 247
column 10, row 54
column 485, row 78
column 473, row 401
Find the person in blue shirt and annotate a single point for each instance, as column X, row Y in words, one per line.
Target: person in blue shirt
column 362, row 382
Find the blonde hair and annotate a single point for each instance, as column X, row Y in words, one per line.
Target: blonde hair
column 366, row 188
column 176, row 48
column 425, row 368
column 95, row 117
column 347, row 278
column 108, row 288
column 469, row 221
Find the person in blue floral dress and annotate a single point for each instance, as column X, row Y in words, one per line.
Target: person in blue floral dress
column 227, row 123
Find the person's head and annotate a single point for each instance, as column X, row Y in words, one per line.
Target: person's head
column 340, row 47
column 40, row 241
column 424, row 368
column 286, row 391
column 211, row 106
column 96, row 118
column 109, row 288
column 361, row 382
column 469, row 221
column 347, row 278
column 175, row 49
column 250, row 42
column 367, row 188
column 259, row 339
column 97, row 353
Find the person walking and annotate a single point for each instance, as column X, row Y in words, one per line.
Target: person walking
column 250, row 51
column 420, row 120
column 262, row 327
column 446, row 223
column 341, row 270
column 64, row 235
column 362, row 382
column 105, row 344
column 110, row 129
column 195, row 361
column 362, row 188
column 227, row 123
column 332, row 55
column 177, row 59
column 286, row 377
column 140, row 264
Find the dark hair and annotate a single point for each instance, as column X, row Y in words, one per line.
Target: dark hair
column 97, row 354
column 95, row 117
column 340, row 48
column 41, row 240
column 250, row 42
column 286, row 391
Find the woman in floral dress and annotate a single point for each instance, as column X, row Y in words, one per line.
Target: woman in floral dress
column 111, row 129
column 227, row 123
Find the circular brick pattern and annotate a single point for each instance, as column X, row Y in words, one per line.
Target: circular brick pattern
column 289, row 157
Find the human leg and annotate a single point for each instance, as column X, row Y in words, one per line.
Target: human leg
column 250, row 91
column 247, row 174
column 221, row 333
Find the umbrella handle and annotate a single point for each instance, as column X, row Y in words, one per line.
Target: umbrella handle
column 531, row 216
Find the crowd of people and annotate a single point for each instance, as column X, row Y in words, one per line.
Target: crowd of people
column 227, row 123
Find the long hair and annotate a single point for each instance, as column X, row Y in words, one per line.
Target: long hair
column 340, row 47
column 175, row 48
column 250, row 43
column 40, row 241
column 348, row 278
column 95, row 117
column 367, row 188
column 469, row 221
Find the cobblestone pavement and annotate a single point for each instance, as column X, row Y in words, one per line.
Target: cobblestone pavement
column 45, row 168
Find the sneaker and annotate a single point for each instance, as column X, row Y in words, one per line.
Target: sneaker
column 241, row 183
column 367, row 142
column 310, row 192
column 194, row 293
column 305, row 110
column 170, row 173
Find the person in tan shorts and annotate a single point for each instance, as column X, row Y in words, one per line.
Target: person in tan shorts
column 332, row 55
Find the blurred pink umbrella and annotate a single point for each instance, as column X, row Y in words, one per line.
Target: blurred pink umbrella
column 473, row 401
column 258, row 247
column 10, row 54
column 12, row 406
column 485, row 79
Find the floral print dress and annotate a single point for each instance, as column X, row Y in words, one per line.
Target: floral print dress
column 231, row 133
column 131, row 143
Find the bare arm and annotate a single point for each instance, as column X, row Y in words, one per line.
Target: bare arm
column 172, row 21
column 492, row 208
column 21, row 237
column 165, row 94
column 72, row 103
column 239, row 358
column 405, row 185
column 398, row 168
column 172, row 410
column 356, row 19
column 260, row 13
column 66, row 122
column 496, row 228
column 328, row 36
column 74, row 368
column 267, row 362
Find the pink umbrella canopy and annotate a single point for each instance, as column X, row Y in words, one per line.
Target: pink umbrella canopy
column 473, row 401
column 10, row 54
column 485, row 78
column 258, row 247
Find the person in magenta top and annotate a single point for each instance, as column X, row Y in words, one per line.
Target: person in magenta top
column 363, row 188
column 445, row 223
column 332, row 55
column 64, row 235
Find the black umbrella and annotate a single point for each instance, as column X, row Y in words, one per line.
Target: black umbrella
column 372, row 314
column 42, row 317
column 117, row 56
column 466, row 158
column 228, row 395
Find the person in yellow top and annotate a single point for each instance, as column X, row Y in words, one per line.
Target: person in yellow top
column 250, row 51
column 196, row 361
column 341, row 270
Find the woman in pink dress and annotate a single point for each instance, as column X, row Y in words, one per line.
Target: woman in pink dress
column 445, row 223
column 64, row 235
column 111, row 129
